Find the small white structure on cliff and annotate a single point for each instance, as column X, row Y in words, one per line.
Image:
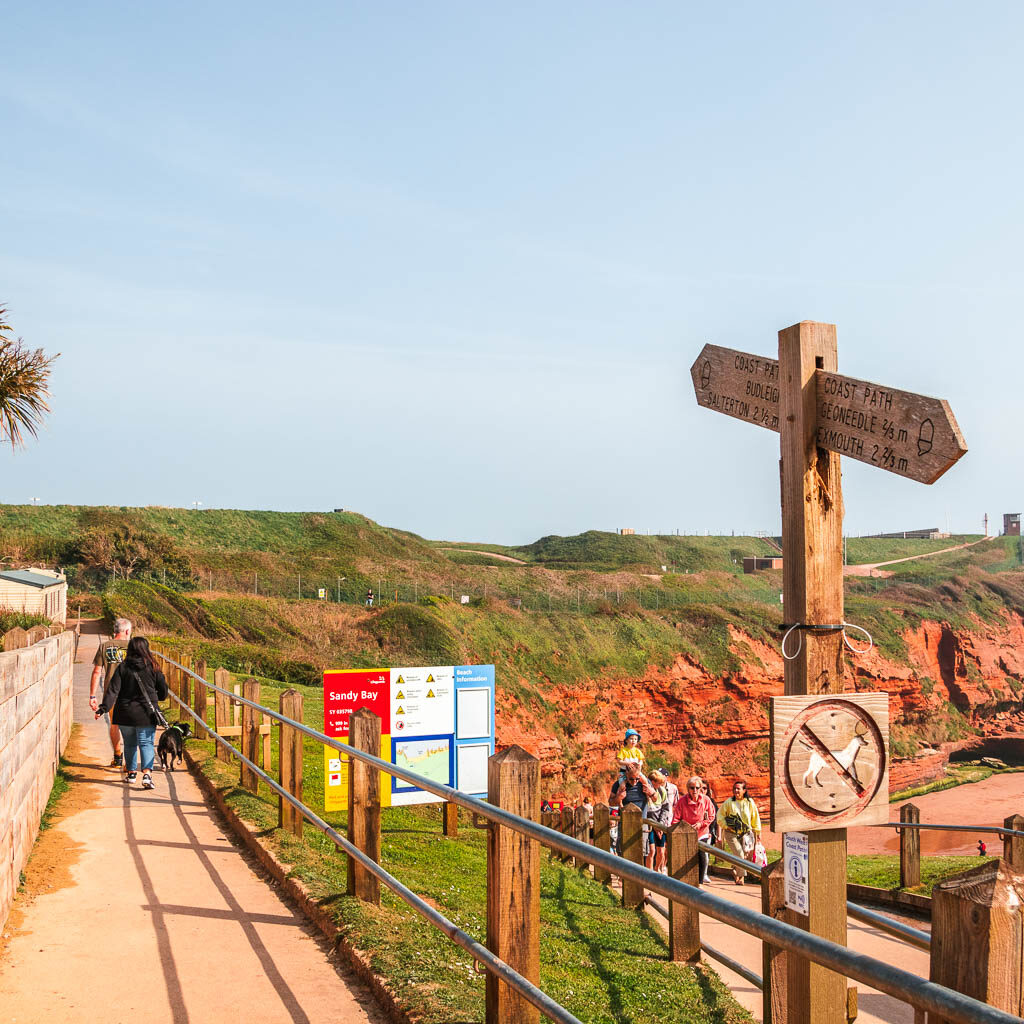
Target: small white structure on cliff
column 35, row 592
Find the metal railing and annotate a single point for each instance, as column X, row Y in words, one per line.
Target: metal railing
column 716, row 954
column 884, row 923
column 893, row 981
column 949, row 828
column 478, row 951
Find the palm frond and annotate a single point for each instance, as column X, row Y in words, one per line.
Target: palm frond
column 24, row 387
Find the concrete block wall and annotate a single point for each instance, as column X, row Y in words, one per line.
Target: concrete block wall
column 35, row 724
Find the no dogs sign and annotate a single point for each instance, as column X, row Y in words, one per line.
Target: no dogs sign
column 830, row 761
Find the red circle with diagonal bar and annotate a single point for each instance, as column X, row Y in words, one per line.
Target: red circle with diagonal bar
column 808, row 736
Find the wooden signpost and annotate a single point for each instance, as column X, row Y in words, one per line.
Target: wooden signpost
column 821, row 415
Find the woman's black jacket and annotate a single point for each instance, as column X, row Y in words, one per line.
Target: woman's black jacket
column 123, row 695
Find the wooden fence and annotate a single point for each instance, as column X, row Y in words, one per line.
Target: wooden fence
column 985, row 961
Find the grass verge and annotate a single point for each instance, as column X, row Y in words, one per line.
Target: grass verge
column 602, row 962
column 883, row 870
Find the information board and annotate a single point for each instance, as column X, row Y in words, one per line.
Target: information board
column 437, row 721
column 794, row 856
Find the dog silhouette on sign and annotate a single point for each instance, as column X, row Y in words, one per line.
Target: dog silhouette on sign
column 847, row 757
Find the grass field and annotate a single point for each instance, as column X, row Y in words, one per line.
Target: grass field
column 860, row 550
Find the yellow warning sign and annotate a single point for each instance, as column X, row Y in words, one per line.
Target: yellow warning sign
column 430, row 679
column 400, row 696
column 399, row 711
column 401, row 681
column 430, row 693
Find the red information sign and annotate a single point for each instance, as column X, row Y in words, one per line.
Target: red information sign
column 345, row 692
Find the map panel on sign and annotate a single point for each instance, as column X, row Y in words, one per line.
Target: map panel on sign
column 430, row 756
column 422, row 701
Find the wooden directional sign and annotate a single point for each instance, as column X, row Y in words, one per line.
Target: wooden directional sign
column 830, row 762
column 738, row 384
column 907, row 434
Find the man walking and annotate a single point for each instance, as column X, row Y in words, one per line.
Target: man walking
column 109, row 655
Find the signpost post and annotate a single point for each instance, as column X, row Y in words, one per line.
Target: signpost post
column 821, row 415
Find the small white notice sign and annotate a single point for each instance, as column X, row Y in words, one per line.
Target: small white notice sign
column 794, row 856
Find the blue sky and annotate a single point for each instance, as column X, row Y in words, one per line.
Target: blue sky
column 449, row 264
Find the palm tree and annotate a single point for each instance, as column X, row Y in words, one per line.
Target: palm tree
column 24, row 386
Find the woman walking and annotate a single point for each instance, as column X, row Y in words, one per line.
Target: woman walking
column 696, row 810
column 132, row 695
column 741, row 826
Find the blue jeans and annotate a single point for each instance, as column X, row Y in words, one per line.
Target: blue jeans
column 138, row 737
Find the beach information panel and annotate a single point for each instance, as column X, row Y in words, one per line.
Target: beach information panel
column 437, row 721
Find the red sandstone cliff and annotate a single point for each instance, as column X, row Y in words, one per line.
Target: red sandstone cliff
column 717, row 726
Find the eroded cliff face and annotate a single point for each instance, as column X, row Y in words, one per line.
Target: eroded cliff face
column 717, row 726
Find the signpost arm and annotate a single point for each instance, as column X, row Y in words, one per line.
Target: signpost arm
column 812, row 517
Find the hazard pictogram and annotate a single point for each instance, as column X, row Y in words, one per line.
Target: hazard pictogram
column 430, row 678
column 399, row 695
column 400, row 711
column 430, row 693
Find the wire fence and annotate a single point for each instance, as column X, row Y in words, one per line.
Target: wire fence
column 380, row 590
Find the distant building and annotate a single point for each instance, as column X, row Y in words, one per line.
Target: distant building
column 35, row 592
column 930, row 534
column 1011, row 524
column 627, row 531
column 756, row 563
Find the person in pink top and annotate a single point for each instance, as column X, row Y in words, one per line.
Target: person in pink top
column 695, row 809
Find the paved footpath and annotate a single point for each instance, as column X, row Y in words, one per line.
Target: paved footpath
column 875, row 1007
column 163, row 919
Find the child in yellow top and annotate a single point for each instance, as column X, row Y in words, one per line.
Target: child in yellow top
column 630, row 751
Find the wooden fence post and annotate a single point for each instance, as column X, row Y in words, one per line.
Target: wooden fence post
column 15, row 639
column 186, row 683
column 364, row 804
column 547, row 818
column 290, row 758
column 1013, row 846
column 568, row 826
column 683, row 922
column 976, row 936
column 200, row 701
column 631, row 847
column 773, row 959
column 450, row 819
column 250, row 734
column 222, row 710
column 582, row 833
column 513, row 885
column 910, row 847
column 602, row 839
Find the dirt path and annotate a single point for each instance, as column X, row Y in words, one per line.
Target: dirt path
column 868, row 568
column 144, row 910
column 489, row 554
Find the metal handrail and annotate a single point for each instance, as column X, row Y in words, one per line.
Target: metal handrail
column 916, row 937
column 530, row 992
column 716, row 954
column 891, row 980
column 949, row 828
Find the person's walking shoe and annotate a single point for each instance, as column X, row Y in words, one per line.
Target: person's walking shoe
column 130, row 777
column 118, row 761
column 147, row 780
column 705, row 880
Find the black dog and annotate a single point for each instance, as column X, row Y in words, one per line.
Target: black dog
column 172, row 744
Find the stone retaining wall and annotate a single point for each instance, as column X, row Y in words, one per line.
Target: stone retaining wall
column 35, row 723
